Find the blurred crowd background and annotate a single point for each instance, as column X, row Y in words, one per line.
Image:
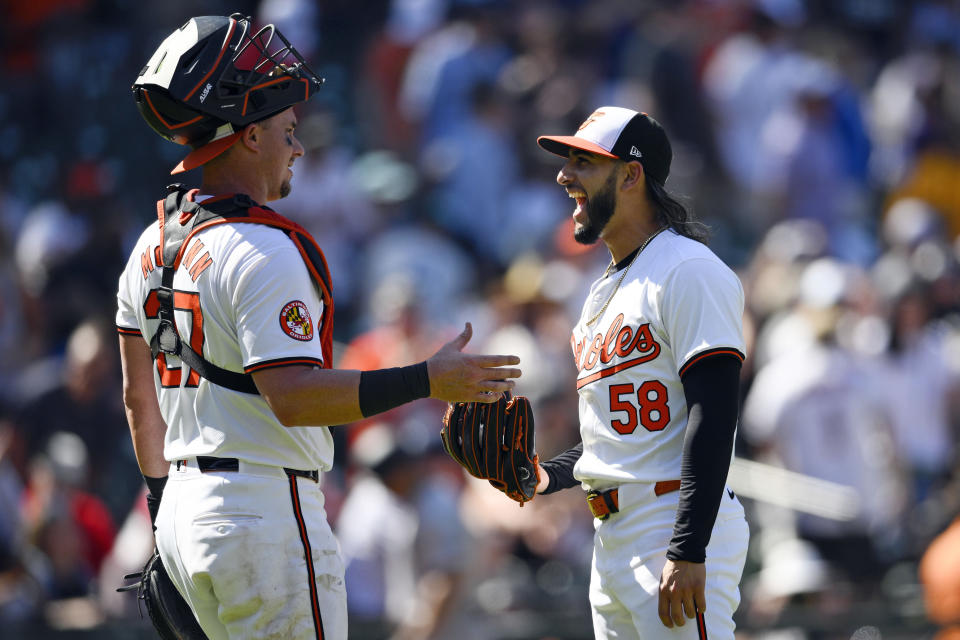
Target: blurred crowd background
column 819, row 140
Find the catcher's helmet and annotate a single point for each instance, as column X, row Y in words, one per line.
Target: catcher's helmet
column 213, row 76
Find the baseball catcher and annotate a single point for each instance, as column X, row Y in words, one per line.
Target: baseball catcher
column 225, row 322
column 494, row 441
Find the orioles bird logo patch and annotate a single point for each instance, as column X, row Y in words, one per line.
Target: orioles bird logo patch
column 295, row 321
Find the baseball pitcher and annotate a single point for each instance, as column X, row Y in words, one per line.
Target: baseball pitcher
column 658, row 347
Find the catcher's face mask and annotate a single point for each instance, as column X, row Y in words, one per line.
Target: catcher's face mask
column 213, row 76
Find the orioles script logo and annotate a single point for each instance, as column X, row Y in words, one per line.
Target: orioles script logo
column 619, row 341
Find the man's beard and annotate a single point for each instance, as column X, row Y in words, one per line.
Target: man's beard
column 599, row 210
column 285, row 189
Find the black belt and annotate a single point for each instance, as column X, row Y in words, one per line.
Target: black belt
column 209, row 463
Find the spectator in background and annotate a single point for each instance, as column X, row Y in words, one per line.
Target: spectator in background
column 71, row 527
column 818, row 410
column 405, row 548
column 84, row 402
column 12, row 319
column 132, row 547
column 747, row 78
column 924, row 380
column 528, row 218
column 772, row 281
column 917, row 280
column 914, row 119
column 20, row 590
column 419, row 255
column 446, row 67
column 474, row 162
column 812, row 147
column 530, row 318
column 659, row 53
column 49, row 237
column 403, row 331
column 408, row 22
column 11, row 488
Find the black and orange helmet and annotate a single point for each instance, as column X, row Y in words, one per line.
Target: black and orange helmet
column 213, row 76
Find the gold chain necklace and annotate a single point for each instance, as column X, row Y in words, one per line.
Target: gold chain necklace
column 622, row 276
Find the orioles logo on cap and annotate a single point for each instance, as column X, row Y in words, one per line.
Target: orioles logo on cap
column 295, row 321
column 593, row 116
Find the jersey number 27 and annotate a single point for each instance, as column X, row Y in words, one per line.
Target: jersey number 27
column 182, row 301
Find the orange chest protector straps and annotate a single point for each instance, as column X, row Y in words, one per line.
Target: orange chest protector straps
column 180, row 218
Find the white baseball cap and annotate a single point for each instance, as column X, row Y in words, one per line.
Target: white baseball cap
column 616, row 132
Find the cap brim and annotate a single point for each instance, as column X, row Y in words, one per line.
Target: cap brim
column 561, row 145
column 206, row 153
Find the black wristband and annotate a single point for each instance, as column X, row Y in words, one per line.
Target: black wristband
column 155, row 485
column 384, row 389
column 154, row 493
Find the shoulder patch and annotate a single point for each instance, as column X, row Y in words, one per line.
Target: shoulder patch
column 295, row 321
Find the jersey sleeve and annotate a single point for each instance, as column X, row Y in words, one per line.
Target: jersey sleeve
column 277, row 304
column 702, row 312
column 126, row 319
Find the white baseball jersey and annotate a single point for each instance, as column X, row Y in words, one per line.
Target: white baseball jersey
column 678, row 303
column 245, row 301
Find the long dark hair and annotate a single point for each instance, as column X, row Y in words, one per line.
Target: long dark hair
column 671, row 213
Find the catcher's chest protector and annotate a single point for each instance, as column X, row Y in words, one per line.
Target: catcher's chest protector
column 180, row 218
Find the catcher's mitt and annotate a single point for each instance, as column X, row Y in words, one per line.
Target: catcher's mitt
column 494, row 441
column 169, row 612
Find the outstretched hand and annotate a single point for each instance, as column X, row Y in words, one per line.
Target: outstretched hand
column 461, row 377
column 681, row 592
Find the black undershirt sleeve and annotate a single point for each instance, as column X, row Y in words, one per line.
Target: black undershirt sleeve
column 560, row 469
column 712, row 390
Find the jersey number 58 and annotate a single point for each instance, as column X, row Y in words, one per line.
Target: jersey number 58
column 651, row 408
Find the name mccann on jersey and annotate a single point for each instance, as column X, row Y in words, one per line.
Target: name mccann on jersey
column 617, row 340
column 150, row 258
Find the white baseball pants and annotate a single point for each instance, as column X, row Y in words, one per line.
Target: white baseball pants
column 630, row 552
column 236, row 543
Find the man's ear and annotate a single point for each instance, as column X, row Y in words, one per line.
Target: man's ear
column 633, row 175
column 250, row 137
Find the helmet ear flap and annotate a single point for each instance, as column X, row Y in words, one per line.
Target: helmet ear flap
column 257, row 100
column 173, row 119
